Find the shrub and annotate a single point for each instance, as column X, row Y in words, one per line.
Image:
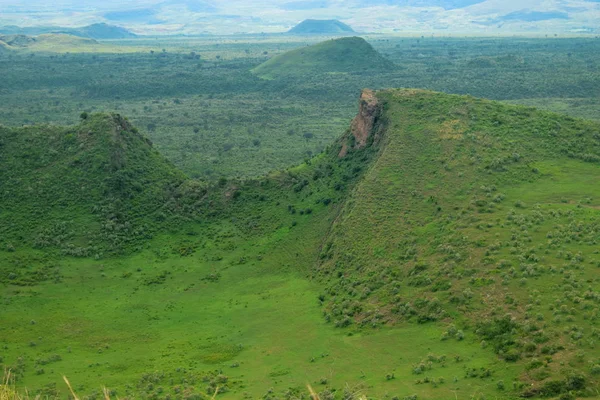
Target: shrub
column 575, row 382
column 552, row 388
column 512, row 355
column 566, row 396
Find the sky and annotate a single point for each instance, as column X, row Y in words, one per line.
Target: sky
column 244, row 16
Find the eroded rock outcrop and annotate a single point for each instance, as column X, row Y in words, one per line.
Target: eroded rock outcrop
column 364, row 125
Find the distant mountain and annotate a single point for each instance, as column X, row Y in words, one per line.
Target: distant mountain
column 94, row 31
column 17, row 40
column 315, row 26
column 29, row 31
column 350, row 55
column 135, row 15
column 149, row 14
column 276, row 16
column 102, row 31
column 445, row 4
column 46, row 41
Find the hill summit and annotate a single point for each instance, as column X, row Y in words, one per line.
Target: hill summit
column 101, row 31
column 317, row 26
column 351, row 55
column 85, row 188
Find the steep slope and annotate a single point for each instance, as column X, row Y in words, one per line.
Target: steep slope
column 320, row 27
column 349, row 55
column 480, row 215
column 86, row 189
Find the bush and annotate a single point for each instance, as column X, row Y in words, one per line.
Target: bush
column 552, row 388
column 575, row 382
column 512, row 355
column 566, row 396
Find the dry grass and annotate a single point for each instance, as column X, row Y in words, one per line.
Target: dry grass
column 8, row 390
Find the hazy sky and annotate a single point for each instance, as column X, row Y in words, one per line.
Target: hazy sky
column 229, row 16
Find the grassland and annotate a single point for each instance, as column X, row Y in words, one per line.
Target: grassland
column 203, row 108
column 389, row 271
column 454, row 256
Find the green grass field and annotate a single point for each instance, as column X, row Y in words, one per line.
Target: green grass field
column 257, row 322
column 457, row 213
column 233, row 235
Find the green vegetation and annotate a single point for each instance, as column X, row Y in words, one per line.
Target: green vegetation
column 48, row 42
column 208, row 114
column 321, row 27
column 350, row 55
column 54, row 180
column 443, row 246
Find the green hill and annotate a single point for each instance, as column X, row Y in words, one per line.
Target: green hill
column 444, row 246
column 347, row 55
column 88, row 189
column 101, row 31
column 53, row 42
column 484, row 217
column 17, row 40
column 323, row 27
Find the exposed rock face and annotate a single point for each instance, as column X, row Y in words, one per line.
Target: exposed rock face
column 363, row 125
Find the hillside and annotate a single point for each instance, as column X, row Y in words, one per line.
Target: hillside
column 320, row 27
column 482, row 216
column 100, row 31
column 87, row 189
column 17, row 40
column 49, row 42
column 347, row 55
column 443, row 247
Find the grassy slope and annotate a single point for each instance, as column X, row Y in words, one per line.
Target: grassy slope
column 475, row 211
column 339, row 55
column 580, row 108
column 429, row 210
column 85, row 189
